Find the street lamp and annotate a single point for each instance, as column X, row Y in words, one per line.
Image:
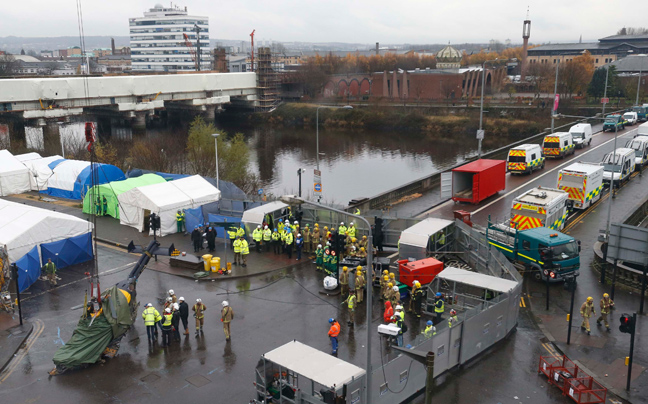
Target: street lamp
column 216, row 135
column 639, row 79
column 554, row 108
column 300, row 171
column 480, row 132
column 295, row 200
column 317, row 131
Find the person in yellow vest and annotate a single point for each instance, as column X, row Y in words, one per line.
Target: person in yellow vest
column 319, row 258
column 344, row 281
column 342, row 229
column 267, row 237
column 245, row 250
column 257, row 236
column 606, row 305
column 240, row 232
column 167, row 327
column 306, row 234
column 587, row 310
column 180, row 218
column 359, row 285
column 50, row 270
column 150, row 316
column 227, row 315
column 352, row 230
column 452, row 320
column 231, row 232
column 281, row 229
column 439, row 307
column 430, row 329
column 351, row 304
column 276, row 242
column 288, row 242
column 237, row 251
column 199, row 313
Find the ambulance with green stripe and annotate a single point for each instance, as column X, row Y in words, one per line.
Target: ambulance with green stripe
column 558, row 145
column 583, row 182
column 525, row 158
column 544, row 252
column 539, row 207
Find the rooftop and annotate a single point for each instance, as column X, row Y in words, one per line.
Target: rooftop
column 631, row 64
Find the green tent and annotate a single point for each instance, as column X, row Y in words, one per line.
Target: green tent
column 112, row 189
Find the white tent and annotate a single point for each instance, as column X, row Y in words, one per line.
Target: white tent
column 28, row 156
column 255, row 216
column 40, row 172
column 165, row 199
column 22, row 227
column 414, row 240
column 14, row 176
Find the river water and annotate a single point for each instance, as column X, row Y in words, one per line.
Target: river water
column 354, row 164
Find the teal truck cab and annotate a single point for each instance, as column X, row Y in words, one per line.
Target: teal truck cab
column 614, row 122
column 641, row 112
column 541, row 250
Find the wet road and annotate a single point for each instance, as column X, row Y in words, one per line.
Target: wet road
column 269, row 311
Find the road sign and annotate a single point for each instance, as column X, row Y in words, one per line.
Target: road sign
column 605, row 100
column 480, row 134
column 260, row 191
column 317, row 187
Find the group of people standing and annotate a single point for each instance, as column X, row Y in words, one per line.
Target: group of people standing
column 176, row 311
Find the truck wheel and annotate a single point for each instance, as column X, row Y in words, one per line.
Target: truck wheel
column 590, row 142
column 538, row 276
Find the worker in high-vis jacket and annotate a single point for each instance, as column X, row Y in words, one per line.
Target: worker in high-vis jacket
column 231, row 233
column 167, row 327
column 333, row 333
column 267, row 237
column 180, row 220
column 586, row 311
column 351, row 305
column 150, row 316
column 257, row 236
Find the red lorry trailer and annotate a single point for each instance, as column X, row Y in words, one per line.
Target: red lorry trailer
column 476, row 181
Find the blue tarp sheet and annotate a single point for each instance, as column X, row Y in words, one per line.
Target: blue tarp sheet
column 55, row 163
column 193, row 218
column 73, row 250
column 29, row 269
column 236, row 221
column 106, row 173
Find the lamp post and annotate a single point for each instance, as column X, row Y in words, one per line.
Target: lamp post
column 554, row 108
column 639, row 79
column 317, row 132
column 295, row 200
column 480, row 132
column 300, row 171
column 216, row 135
column 607, row 73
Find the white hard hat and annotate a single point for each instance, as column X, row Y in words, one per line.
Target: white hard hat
column 353, row 247
column 176, row 306
column 295, row 222
column 395, row 288
column 170, row 291
column 351, row 223
column 265, row 227
column 198, row 300
column 319, row 246
column 169, row 299
column 225, row 303
column 399, row 307
column 168, row 310
column 299, row 235
column 341, row 223
column 181, row 299
column 149, row 305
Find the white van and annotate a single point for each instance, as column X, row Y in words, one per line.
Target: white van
column 640, row 145
column 642, row 130
column 630, row 117
column 558, row 145
column 525, row 158
column 581, row 134
column 583, row 182
column 618, row 165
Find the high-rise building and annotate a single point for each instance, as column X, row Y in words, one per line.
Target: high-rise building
column 158, row 41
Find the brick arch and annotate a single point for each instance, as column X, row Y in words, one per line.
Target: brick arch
column 329, row 90
column 365, row 87
column 342, row 88
column 354, row 87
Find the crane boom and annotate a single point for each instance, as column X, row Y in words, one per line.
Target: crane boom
column 252, row 50
column 192, row 51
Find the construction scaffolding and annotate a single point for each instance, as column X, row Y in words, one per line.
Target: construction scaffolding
column 267, row 82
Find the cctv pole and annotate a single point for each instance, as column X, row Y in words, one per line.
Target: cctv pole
column 638, row 84
column 632, row 335
column 609, row 212
column 481, row 111
column 299, row 174
column 553, row 109
column 572, row 284
column 607, row 72
column 547, row 278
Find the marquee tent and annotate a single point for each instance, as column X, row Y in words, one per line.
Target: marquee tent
column 40, row 172
column 71, row 179
column 113, row 189
column 14, row 176
column 28, row 156
column 165, row 199
column 26, row 230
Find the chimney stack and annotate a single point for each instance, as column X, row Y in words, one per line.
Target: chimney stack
column 112, row 45
column 526, row 33
column 377, row 48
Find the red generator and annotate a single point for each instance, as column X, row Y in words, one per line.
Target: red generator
column 423, row 271
column 476, row 181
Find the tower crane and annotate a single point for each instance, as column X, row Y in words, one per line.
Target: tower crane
column 252, row 50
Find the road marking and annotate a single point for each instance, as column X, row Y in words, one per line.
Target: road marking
column 551, row 350
column 39, row 327
column 522, row 304
column 550, row 171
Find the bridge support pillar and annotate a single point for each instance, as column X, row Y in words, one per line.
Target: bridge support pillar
column 51, row 137
column 209, row 113
column 139, row 120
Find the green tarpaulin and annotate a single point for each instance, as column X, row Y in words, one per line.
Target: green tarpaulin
column 112, row 189
column 89, row 341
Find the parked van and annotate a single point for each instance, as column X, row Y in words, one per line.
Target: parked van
column 558, row 144
column 581, row 134
column 631, row 118
column 641, row 113
column 614, row 122
column 640, row 145
column 642, row 130
column 525, row 158
column 583, row 182
column 618, row 165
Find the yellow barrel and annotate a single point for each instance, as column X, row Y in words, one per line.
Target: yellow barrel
column 215, row 264
column 207, row 258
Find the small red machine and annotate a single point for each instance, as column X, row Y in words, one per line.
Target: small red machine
column 423, row 270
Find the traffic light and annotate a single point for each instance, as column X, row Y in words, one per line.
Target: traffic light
column 154, row 222
column 627, row 324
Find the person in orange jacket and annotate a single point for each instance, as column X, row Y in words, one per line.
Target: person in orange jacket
column 389, row 312
column 333, row 333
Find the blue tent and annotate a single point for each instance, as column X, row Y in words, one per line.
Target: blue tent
column 71, row 179
column 29, row 269
column 69, row 251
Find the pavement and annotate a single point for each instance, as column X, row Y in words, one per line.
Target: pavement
column 12, row 337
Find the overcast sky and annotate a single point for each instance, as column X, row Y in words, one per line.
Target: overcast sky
column 358, row 21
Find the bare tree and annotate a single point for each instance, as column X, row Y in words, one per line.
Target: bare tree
column 7, row 65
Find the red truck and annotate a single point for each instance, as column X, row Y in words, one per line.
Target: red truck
column 476, row 181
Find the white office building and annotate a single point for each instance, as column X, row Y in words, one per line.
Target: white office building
column 158, row 44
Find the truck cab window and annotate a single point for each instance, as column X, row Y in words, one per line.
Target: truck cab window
column 526, row 245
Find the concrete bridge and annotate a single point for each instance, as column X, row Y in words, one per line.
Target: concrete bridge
column 48, row 100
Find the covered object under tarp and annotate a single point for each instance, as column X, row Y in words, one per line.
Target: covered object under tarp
column 72, row 179
column 88, row 342
column 416, row 241
column 14, row 176
column 164, row 199
column 40, row 172
column 39, row 232
column 112, row 190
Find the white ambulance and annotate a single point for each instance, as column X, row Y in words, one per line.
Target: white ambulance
column 540, row 207
column 618, row 166
column 583, row 182
column 525, row 158
column 558, row 145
